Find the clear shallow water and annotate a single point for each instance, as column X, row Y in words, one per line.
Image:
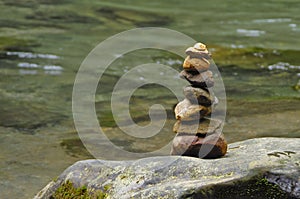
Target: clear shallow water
column 42, row 43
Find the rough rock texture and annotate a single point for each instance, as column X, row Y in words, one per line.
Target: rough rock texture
column 248, row 170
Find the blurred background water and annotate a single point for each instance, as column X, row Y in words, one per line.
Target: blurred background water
column 42, row 44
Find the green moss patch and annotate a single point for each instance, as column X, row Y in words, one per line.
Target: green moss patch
column 61, row 16
column 68, row 191
column 138, row 18
column 252, row 58
column 15, row 44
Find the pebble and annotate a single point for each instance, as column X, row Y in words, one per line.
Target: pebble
column 192, row 52
column 186, row 111
column 203, row 80
column 198, row 96
column 198, row 64
column 200, row 46
column 202, row 127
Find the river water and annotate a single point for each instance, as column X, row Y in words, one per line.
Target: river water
column 42, row 44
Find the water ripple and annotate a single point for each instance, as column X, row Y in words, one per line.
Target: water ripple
column 30, row 55
column 28, row 72
column 28, row 65
column 48, row 69
column 282, row 66
column 276, row 20
column 53, row 68
column 250, row 33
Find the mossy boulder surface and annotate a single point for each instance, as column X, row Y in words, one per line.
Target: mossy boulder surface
column 255, row 168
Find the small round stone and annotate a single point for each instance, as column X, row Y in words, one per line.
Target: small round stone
column 202, row 127
column 198, row 64
column 203, row 80
column 186, row 111
column 192, row 52
column 200, row 46
column 198, row 96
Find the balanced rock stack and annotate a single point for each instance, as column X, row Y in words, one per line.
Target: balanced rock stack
column 197, row 134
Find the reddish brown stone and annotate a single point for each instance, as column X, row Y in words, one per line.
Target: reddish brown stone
column 211, row 146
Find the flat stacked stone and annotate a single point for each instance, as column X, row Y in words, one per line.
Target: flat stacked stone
column 197, row 134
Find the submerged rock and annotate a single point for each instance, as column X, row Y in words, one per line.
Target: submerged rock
column 256, row 168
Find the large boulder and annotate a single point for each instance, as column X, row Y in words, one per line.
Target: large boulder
column 256, row 168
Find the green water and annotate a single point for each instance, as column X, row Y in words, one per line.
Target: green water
column 42, row 44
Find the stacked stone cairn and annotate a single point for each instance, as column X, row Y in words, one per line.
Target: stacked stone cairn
column 198, row 135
